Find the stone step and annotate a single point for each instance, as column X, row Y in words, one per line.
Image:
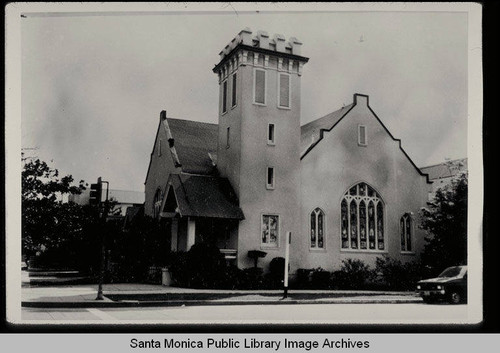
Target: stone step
column 54, row 273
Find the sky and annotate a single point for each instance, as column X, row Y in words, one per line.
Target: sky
column 93, row 86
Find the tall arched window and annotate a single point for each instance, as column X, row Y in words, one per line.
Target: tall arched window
column 157, row 202
column 362, row 219
column 406, row 231
column 317, row 229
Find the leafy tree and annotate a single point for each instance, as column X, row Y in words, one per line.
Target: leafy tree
column 39, row 181
column 49, row 226
column 445, row 221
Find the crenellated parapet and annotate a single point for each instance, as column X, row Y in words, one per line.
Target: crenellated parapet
column 260, row 49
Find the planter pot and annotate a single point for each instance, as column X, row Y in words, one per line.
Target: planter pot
column 166, row 278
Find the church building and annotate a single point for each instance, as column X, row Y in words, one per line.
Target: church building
column 341, row 184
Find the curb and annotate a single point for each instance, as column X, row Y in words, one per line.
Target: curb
column 180, row 303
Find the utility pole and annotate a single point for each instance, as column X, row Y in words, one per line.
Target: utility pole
column 97, row 188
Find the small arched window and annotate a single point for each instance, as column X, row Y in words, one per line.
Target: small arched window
column 317, row 229
column 362, row 219
column 157, row 202
column 406, row 231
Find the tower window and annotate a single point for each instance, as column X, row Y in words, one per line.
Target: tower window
column 233, row 96
column 228, row 134
column 270, row 134
column 259, row 96
column 284, row 91
column 362, row 135
column 224, row 97
column 270, row 178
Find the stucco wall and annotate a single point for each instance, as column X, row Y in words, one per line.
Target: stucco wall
column 245, row 162
column 334, row 165
column 159, row 170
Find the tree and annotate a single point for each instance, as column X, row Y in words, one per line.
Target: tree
column 48, row 225
column 445, row 221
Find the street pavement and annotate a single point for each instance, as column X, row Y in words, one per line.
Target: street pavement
column 130, row 294
column 78, row 304
column 413, row 313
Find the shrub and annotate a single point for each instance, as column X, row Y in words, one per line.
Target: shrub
column 320, row 278
column 396, row 275
column 276, row 272
column 251, row 278
column 353, row 274
column 203, row 266
column 303, row 278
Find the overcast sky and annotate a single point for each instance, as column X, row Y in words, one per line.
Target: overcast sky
column 93, row 86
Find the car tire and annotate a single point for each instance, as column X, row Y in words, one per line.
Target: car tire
column 455, row 297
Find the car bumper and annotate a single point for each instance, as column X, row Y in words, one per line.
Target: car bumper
column 431, row 293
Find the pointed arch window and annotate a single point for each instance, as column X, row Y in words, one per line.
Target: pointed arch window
column 406, row 231
column 362, row 219
column 317, row 229
column 157, row 202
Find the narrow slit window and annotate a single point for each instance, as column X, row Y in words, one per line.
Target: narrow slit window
column 228, row 135
column 284, row 90
column 362, row 135
column 270, row 134
column 270, row 178
column 260, row 87
column 224, row 97
column 233, row 93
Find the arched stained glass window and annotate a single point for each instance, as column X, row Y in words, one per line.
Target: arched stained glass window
column 380, row 226
column 353, row 220
column 371, row 225
column 362, row 225
column 406, row 230
column 344, row 225
column 317, row 229
column 362, row 219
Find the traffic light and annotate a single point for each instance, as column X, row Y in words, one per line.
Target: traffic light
column 95, row 192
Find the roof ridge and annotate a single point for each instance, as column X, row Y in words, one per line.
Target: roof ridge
column 193, row 121
column 324, row 116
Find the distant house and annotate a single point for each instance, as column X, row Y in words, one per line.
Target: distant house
column 441, row 174
column 123, row 199
column 341, row 184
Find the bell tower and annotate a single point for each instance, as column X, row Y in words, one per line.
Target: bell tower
column 259, row 137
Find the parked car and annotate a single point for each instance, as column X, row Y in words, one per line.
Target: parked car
column 450, row 285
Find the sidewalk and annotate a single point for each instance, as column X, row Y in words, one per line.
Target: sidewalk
column 136, row 295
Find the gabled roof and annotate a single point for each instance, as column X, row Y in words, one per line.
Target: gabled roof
column 328, row 122
column 445, row 170
column 195, row 142
column 204, row 196
column 310, row 132
column 192, row 145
